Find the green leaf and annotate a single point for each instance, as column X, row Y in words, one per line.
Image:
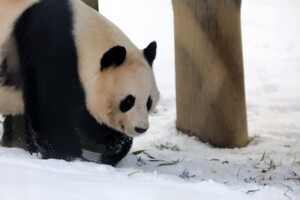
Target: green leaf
column 214, row 159
column 138, row 152
column 251, row 191
column 297, row 162
column 175, row 148
column 168, row 146
column 134, row 172
column 170, row 163
column 263, row 156
column 213, row 171
column 153, row 160
column 225, row 162
column 148, row 155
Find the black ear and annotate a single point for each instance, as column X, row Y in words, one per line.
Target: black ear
column 114, row 56
column 150, row 52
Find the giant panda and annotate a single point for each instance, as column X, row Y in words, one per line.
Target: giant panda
column 81, row 75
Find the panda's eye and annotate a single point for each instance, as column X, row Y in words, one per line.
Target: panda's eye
column 149, row 103
column 127, row 103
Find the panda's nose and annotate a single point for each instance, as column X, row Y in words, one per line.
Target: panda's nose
column 140, row 130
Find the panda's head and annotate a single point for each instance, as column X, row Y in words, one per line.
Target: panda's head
column 125, row 91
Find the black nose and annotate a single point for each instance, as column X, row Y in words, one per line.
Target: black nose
column 140, row 130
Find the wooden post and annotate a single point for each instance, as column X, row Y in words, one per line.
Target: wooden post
column 92, row 3
column 209, row 71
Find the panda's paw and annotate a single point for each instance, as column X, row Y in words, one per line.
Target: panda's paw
column 116, row 150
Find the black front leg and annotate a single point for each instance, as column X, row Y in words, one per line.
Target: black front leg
column 97, row 137
column 116, row 149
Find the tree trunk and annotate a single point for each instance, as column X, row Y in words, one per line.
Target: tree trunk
column 92, row 3
column 209, row 71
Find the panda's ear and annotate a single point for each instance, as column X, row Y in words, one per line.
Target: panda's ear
column 114, row 56
column 150, row 52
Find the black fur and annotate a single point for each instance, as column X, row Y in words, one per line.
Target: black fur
column 127, row 103
column 149, row 103
column 115, row 56
column 3, row 71
column 54, row 98
column 150, row 52
column 115, row 144
column 9, row 79
column 117, row 148
column 7, row 137
column 15, row 133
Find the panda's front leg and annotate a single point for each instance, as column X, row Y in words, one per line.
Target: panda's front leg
column 116, row 148
column 115, row 144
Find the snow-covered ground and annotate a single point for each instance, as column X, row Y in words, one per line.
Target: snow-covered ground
column 268, row 168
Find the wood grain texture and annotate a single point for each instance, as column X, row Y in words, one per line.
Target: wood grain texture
column 209, row 71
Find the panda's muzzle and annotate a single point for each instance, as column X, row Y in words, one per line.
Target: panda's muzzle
column 140, row 130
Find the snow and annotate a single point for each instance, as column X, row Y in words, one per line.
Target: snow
column 268, row 168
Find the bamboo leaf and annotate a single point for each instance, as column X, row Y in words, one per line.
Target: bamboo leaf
column 170, row 163
column 168, row 146
column 147, row 154
column 153, row 160
column 134, row 172
column 263, row 156
column 138, row 152
column 251, row 191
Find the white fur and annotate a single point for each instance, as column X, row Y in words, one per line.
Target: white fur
column 11, row 101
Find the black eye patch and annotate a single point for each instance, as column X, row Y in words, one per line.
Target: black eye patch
column 149, row 103
column 127, row 103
